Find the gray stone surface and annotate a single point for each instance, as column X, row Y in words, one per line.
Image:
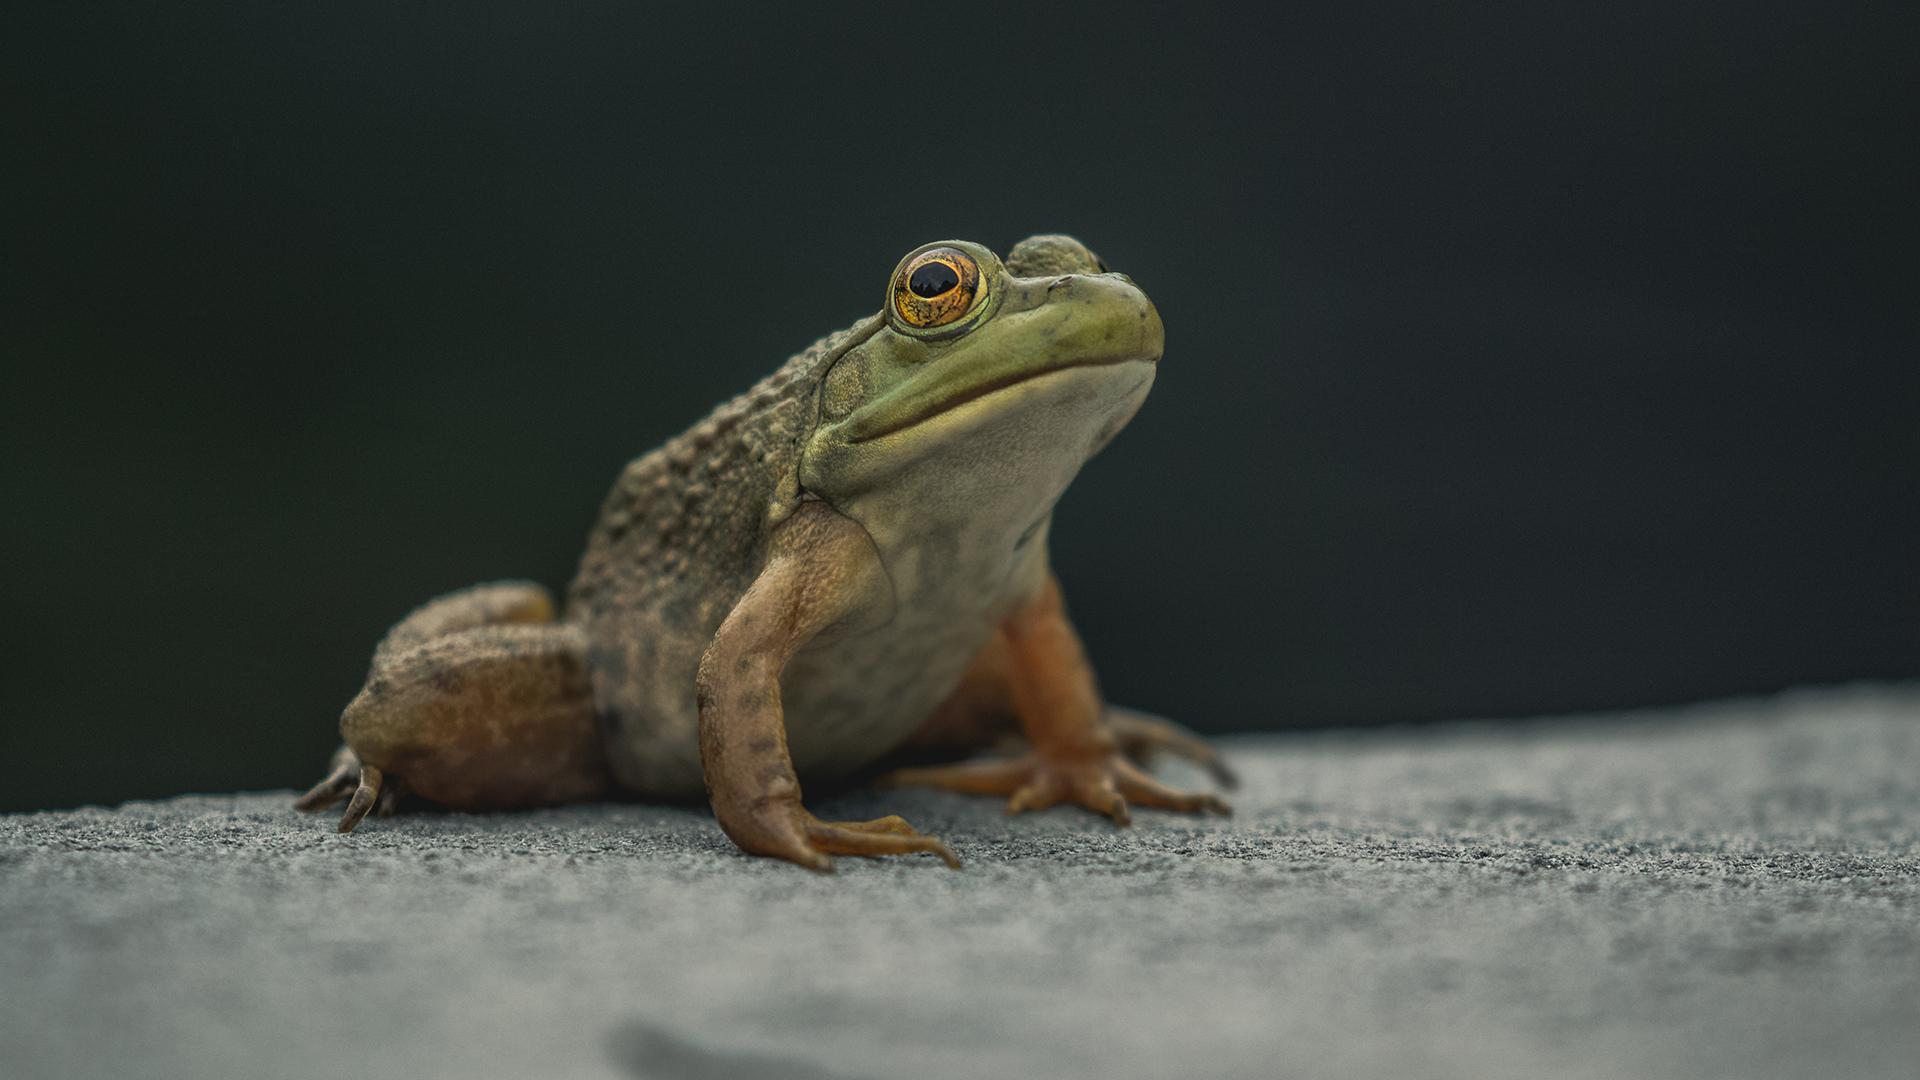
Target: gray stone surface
column 1726, row 891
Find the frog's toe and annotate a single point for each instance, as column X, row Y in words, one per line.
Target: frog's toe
column 364, row 797
column 1146, row 791
column 783, row 829
column 1039, row 792
column 1106, row 783
column 892, row 823
column 1143, row 738
column 390, row 795
column 343, row 775
column 349, row 781
column 885, row 836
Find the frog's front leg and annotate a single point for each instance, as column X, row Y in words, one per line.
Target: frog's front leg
column 1143, row 739
column 821, row 573
column 978, row 716
column 1075, row 757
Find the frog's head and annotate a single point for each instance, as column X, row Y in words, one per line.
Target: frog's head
column 985, row 383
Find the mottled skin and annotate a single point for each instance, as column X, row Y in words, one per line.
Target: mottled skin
column 844, row 567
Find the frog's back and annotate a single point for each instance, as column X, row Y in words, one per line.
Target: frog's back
column 679, row 539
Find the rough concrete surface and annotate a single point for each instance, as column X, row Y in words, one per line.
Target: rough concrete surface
column 1730, row 890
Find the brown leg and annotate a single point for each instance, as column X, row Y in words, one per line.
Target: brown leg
column 821, row 574
column 498, row 603
column 979, row 718
column 472, row 703
column 1074, row 756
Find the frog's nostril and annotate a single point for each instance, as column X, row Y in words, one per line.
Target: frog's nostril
column 1064, row 279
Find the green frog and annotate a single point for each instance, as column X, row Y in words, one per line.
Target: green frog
column 840, row 573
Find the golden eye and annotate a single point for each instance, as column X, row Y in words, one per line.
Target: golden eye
column 936, row 287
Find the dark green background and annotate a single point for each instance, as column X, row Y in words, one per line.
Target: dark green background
column 1522, row 358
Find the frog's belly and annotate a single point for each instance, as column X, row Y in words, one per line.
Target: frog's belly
column 850, row 702
column 846, row 702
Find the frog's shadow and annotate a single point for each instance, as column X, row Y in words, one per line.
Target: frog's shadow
column 651, row 1052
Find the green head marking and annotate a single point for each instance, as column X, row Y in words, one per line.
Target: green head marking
column 1048, row 346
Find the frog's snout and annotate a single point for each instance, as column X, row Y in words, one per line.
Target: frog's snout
column 1118, row 320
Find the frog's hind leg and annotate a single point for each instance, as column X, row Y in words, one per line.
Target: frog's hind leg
column 476, row 701
column 347, row 777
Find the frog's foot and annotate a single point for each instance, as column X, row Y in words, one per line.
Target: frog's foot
column 490, row 718
column 1102, row 780
column 785, row 830
column 343, row 775
column 363, row 787
column 1143, row 738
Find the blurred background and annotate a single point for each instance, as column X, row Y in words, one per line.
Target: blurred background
column 1521, row 359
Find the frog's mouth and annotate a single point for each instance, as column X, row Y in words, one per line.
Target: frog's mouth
column 924, row 399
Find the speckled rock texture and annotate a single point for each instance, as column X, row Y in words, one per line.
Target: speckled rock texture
column 1730, row 890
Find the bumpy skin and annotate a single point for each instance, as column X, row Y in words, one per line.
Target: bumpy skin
column 681, row 537
column 843, row 566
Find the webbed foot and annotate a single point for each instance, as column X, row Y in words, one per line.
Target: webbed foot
column 1144, row 738
column 1102, row 780
column 784, row 829
column 364, row 787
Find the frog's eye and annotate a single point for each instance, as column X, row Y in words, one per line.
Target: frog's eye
column 936, row 287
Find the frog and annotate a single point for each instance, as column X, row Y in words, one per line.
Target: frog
column 841, row 575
